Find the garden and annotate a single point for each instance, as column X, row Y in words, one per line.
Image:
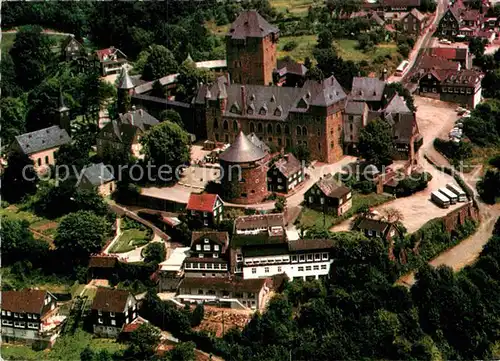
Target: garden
column 134, row 235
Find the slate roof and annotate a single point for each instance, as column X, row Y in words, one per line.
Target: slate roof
column 291, row 67
column 288, row 165
column 260, row 221
column 372, row 224
column 201, row 202
column 310, row 244
column 139, row 118
column 42, row 139
column 97, row 174
column 116, row 131
column 259, row 143
column 463, row 77
column 403, row 127
column 330, row 188
column 250, row 24
column 225, row 284
column 125, row 82
column 222, row 238
column 110, row 300
column 397, row 105
column 24, row 301
column 268, row 249
column 242, row 151
column 367, row 89
column 355, row 108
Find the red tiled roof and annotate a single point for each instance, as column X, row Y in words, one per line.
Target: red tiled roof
column 437, row 62
column 201, row 202
column 104, row 52
column 110, row 300
column 23, row 301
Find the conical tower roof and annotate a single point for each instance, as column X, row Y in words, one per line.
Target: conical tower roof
column 242, row 151
column 125, row 80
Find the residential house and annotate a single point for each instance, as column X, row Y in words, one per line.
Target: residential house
column 457, row 54
column 413, row 23
column 289, row 73
column 209, row 255
column 207, row 209
column 378, row 228
column 226, row 292
column 124, row 133
column 459, row 22
column 111, row 60
column 111, row 310
column 271, row 223
column 41, row 145
column 329, row 197
column 97, row 177
column 72, row 49
column 102, row 267
column 462, row 87
column 171, row 271
column 435, row 62
column 355, row 119
column 285, row 174
column 30, row 316
column 368, row 90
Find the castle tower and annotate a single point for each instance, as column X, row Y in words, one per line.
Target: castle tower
column 125, row 90
column 251, row 49
column 63, row 113
column 244, row 179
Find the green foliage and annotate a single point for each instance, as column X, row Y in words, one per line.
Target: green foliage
column 428, row 6
column 291, row 45
column 330, row 63
column 456, row 152
column 197, row 315
column 154, row 252
column 19, row 178
column 80, row 234
column 483, row 127
column 489, row 186
column 13, row 112
column 143, row 342
column 172, row 116
column 302, row 153
column 376, row 143
column 416, row 182
column 280, row 204
column 160, row 62
column 166, row 143
column 183, row 351
column 477, row 46
column 188, row 79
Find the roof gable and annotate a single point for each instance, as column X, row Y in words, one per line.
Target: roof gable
column 250, row 24
column 42, row 139
column 97, row 174
column 24, row 301
column 202, row 202
column 111, row 300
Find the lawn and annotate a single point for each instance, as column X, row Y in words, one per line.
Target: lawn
column 35, row 278
column 313, row 218
column 347, row 49
column 129, row 240
column 295, row 7
column 304, row 48
column 67, row 347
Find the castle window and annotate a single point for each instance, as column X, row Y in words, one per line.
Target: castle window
column 225, row 125
column 252, row 128
column 278, row 129
column 331, row 144
column 304, row 131
column 235, row 125
column 260, row 128
column 287, row 129
column 299, row 130
column 269, row 129
column 263, row 110
column 277, row 112
column 216, row 124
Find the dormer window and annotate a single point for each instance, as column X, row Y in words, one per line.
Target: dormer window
column 308, row 95
column 235, row 108
column 250, row 109
column 278, row 111
column 273, row 99
column 302, row 103
column 263, row 110
column 252, row 97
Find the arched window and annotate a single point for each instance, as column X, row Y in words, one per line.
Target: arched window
column 216, row 124
column 46, row 159
column 299, row 130
column 269, row 129
column 287, row 129
column 278, row 129
column 252, row 127
column 235, row 125
column 225, row 125
column 304, row 130
column 260, row 129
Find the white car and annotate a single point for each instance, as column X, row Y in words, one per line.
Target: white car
column 445, row 41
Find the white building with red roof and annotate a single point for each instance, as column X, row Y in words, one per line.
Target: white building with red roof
column 206, row 208
column 112, row 60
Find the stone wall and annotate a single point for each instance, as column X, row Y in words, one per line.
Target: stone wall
column 458, row 217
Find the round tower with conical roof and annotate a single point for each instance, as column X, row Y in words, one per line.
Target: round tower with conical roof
column 244, row 177
column 125, row 91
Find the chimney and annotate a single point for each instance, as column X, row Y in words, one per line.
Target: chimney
column 141, row 112
column 131, row 118
column 243, row 100
column 133, row 107
column 384, row 75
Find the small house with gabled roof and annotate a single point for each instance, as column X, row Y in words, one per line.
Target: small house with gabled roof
column 112, row 309
column 111, row 60
column 329, row 197
column 285, row 174
column 205, row 208
column 413, row 23
column 209, row 255
column 72, row 49
column 98, row 177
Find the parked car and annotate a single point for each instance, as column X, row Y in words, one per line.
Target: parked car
column 445, row 41
column 461, row 110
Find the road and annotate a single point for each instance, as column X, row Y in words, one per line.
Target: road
column 422, row 42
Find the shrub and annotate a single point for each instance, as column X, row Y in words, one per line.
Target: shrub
column 291, row 45
column 454, row 151
column 415, row 183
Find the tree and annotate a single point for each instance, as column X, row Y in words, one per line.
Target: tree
column 428, row 6
column 13, row 112
column 392, row 215
column 302, row 153
column 197, row 315
column 73, row 154
column 154, row 252
column 189, row 79
column 280, row 204
column 315, row 73
column 489, row 186
column 80, row 234
column 325, row 39
column 160, row 62
column 397, row 88
column 376, row 143
column 183, row 351
column 143, row 342
column 477, row 46
column 31, row 55
column 19, row 178
column 172, row 116
column 166, row 143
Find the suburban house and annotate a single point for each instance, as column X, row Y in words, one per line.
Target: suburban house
column 378, row 228
column 413, row 23
column 72, row 49
column 205, row 208
column 285, row 174
column 171, row 271
column 124, row 133
column 98, row 177
column 30, row 316
column 111, row 310
column 460, row 55
column 271, row 223
column 209, row 255
column 41, row 145
column 435, row 62
column 460, row 22
column 462, row 87
column 112, row 60
column 226, row 292
column 329, row 197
